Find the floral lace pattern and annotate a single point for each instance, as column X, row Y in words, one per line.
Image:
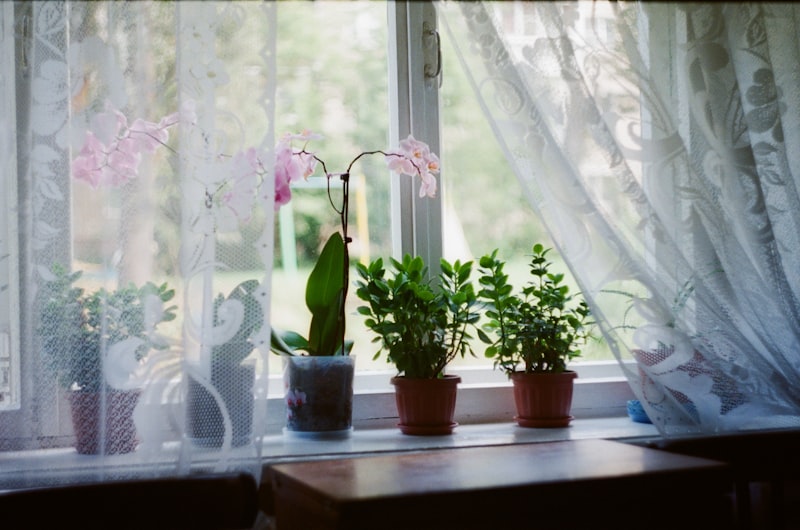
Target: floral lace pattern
column 652, row 139
column 114, row 187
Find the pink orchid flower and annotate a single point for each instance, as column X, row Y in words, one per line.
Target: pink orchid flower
column 245, row 171
column 112, row 150
column 415, row 158
column 148, row 136
column 292, row 164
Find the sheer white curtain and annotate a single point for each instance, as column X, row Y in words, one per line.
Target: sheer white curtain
column 655, row 139
column 141, row 181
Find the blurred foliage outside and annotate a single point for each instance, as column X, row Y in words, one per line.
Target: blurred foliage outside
column 332, row 78
column 338, row 87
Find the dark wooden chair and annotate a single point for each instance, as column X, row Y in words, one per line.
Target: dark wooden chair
column 202, row 502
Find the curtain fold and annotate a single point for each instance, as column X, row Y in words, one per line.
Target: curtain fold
column 143, row 149
column 652, row 140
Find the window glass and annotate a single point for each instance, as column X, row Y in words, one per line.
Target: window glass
column 337, row 86
column 333, row 80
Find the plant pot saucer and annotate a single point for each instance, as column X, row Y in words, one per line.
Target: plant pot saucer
column 318, row 435
column 427, row 430
column 543, row 422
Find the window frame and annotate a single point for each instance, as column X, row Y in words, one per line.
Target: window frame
column 416, row 112
column 9, row 245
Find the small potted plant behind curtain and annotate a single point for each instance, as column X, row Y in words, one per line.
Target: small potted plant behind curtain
column 91, row 340
column 534, row 334
column 96, row 341
column 319, row 369
column 422, row 328
column 224, row 404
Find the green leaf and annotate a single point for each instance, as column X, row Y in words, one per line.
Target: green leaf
column 327, row 278
column 287, row 342
column 326, row 331
column 325, row 297
column 348, row 347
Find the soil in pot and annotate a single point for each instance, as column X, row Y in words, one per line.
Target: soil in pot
column 543, row 399
column 426, row 406
column 88, row 421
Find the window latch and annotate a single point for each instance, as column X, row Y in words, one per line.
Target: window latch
column 433, row 46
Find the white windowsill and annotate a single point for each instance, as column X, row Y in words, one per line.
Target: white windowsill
column 64, row 465
column 484, row 396
column 484, row 411
column 371, row 441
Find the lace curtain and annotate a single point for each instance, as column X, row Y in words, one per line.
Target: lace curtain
column 142, row 165
column 655, row 141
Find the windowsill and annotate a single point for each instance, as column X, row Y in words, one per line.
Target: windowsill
column 390, row 440
column 64, row 465
column 484, row 396
column 484, row 411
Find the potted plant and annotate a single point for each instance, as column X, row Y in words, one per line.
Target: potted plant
column 220, row 408
column 422, row 328
column 91, row 340
column 532, row 335
column 319, row 368
column 319, row 383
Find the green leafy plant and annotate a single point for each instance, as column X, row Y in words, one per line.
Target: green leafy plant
column 234, row 350
column 421, row 328
column 540, row 328
column 75, row 327
column 325, row 297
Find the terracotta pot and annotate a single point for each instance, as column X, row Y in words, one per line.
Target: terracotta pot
column 426, row 406
column 120, row 431
column 319, row 395
column 543, row 399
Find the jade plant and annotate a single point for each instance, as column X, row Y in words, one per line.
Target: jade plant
column 76, row 327
column 422, row 327
column 540, row 328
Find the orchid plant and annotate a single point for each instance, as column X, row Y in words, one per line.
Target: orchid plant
column 326, row 290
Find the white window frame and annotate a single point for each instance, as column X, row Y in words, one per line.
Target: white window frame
column 9, row 273
column 414, row 109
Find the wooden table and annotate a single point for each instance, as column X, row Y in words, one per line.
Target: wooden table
column 571, row 484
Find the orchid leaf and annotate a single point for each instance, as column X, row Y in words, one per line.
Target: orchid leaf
column 287, row 342
column 325, row 296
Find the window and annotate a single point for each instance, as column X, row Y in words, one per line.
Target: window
column 476, row 185
column 363, row 88
column 339, row 87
